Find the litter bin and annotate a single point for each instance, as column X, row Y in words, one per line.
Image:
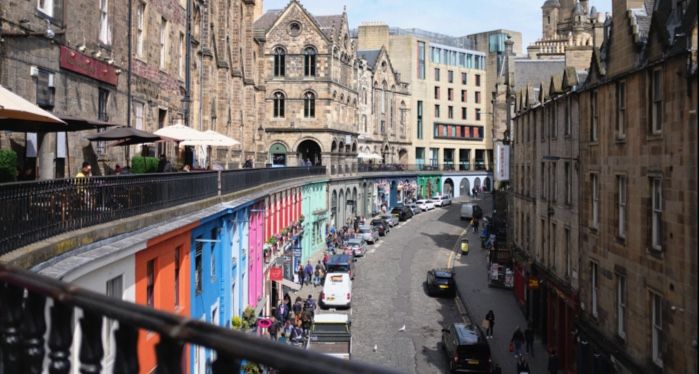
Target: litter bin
column 464, row 246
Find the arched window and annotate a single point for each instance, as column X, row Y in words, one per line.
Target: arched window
column 309, row 62
column 309, row 105
column 278, row 105
column 383, row 98
column 365, row 123
column 279, row 62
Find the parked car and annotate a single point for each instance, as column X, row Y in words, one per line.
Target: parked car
column 369, row 233
column 340, row 264
column 415, row 208
column 331, row 334
column 442, row 200
column 425, row 204
column 337, row 291
column 404, row 213
column 470, row 210
column 466, row 349
column 380, row 226
column 392, row 221
column 441, row 282
column 357, row 246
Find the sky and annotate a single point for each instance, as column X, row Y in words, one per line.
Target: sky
column 451, row 17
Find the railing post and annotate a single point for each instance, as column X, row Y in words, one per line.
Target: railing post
column 33, row 329
column 225, row 364
column 218, row 174
column 60, row 338
column 169, row 354
column 126, row 360
column 11, row 299
column 91, row 350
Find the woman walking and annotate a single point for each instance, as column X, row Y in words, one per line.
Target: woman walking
column 490, row 317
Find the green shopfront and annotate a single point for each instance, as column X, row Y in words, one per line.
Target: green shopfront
column 277, row 155
column 428, row 186
column 314, row 208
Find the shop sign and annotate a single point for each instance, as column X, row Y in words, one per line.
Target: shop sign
column 90, row 67
column 297, row 252
column 276, row 274
column 533, row 283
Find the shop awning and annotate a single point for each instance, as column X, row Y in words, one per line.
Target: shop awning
column 19, row 114
column 291, row 285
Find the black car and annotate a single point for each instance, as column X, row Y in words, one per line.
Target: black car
column 441, row 282
column 403, row 212
column 466, row 349
column 381, row 225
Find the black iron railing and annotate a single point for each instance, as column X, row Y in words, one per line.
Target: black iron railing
column 32, row 211
column 368, row 168
column 23, row 324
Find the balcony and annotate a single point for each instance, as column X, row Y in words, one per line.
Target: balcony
column 33, row 211
column 24, row 295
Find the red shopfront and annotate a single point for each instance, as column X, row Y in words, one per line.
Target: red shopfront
column 561, row 310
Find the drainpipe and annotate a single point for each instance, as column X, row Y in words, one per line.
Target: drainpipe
column 128, row 78
column 188, row 56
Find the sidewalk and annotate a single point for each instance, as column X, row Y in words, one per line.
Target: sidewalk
column 479, row 298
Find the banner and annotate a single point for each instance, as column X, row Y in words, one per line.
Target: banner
column 275, row 273
column 502, row 162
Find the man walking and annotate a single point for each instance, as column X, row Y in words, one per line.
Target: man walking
column 301, row 274
column 517, row 341
column 529, row 339
column 309, row 272
column 490, row 317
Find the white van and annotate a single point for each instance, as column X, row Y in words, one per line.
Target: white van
column 337, row 291
column 469, row 210
column 331, row 334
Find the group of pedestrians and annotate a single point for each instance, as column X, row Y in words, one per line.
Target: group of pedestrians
column 520, row 342
column 310, row 274
column 291, row 323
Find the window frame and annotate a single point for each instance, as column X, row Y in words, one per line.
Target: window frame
column 278, row 104
column 657, row 336
column 278, row 62
column 105, row 30
column 621, row 115
column 594, row 185
column 47, row 9
column 420, row 129
column 594, row 120
column 436, row 74
column 621, row 300
column 164, row 25
column 656, row 96
column 594, row 286
column 622, row 197
column 436, row 111
column 140, row 28
column 309, row 105
column 310, row 58
column 656, row 213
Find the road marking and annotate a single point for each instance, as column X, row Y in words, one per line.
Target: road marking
column 450, row 262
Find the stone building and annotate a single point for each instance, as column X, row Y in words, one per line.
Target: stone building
column 72, row 66
column 545, row 208
column 605, row 218
column 638, row 191
column 447, row 105
column 383, row 110
column 309, row 66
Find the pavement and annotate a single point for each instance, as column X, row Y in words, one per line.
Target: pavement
column 478, row 298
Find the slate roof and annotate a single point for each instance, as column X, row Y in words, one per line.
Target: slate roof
column 535, row 71
column 331, row 25
column 551, row 4
column 266, row 21
column 370, row 56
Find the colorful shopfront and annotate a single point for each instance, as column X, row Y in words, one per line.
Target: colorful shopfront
column 428, row 186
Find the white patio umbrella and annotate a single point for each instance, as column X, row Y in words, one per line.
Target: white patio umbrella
column 18, row 114
column 181, row 133
column 369, row 156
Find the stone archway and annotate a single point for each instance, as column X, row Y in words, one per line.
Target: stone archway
column 477, row 183
column 465, row 187
column 309, row 150
column 403, row 156
column 448, row 188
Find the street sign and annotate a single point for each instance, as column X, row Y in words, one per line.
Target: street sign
column 533, row 283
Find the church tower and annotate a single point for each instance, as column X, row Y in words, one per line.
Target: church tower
column 549, row 20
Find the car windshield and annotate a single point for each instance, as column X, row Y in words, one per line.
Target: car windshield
column 364, row 230
column 337, row 268
column 330, row 328
column 354, row 242
column 376, row 222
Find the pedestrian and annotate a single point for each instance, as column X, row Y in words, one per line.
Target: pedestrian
column 301, row 274
column 490, row 317
column 85, row 171
column 309, row 305
column 476, row 225
column 282, row 312
column 553, row 362
column 282, row 337
column 320, row 270
column 309, row 272
column 297, row 308
column 273, row 329
column 517, row 341
column 529, row 339
column 248, row 163
column 522, row 366
column 326, row 258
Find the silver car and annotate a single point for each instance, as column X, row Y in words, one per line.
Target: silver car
column 369, row 233
column 391, row 219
